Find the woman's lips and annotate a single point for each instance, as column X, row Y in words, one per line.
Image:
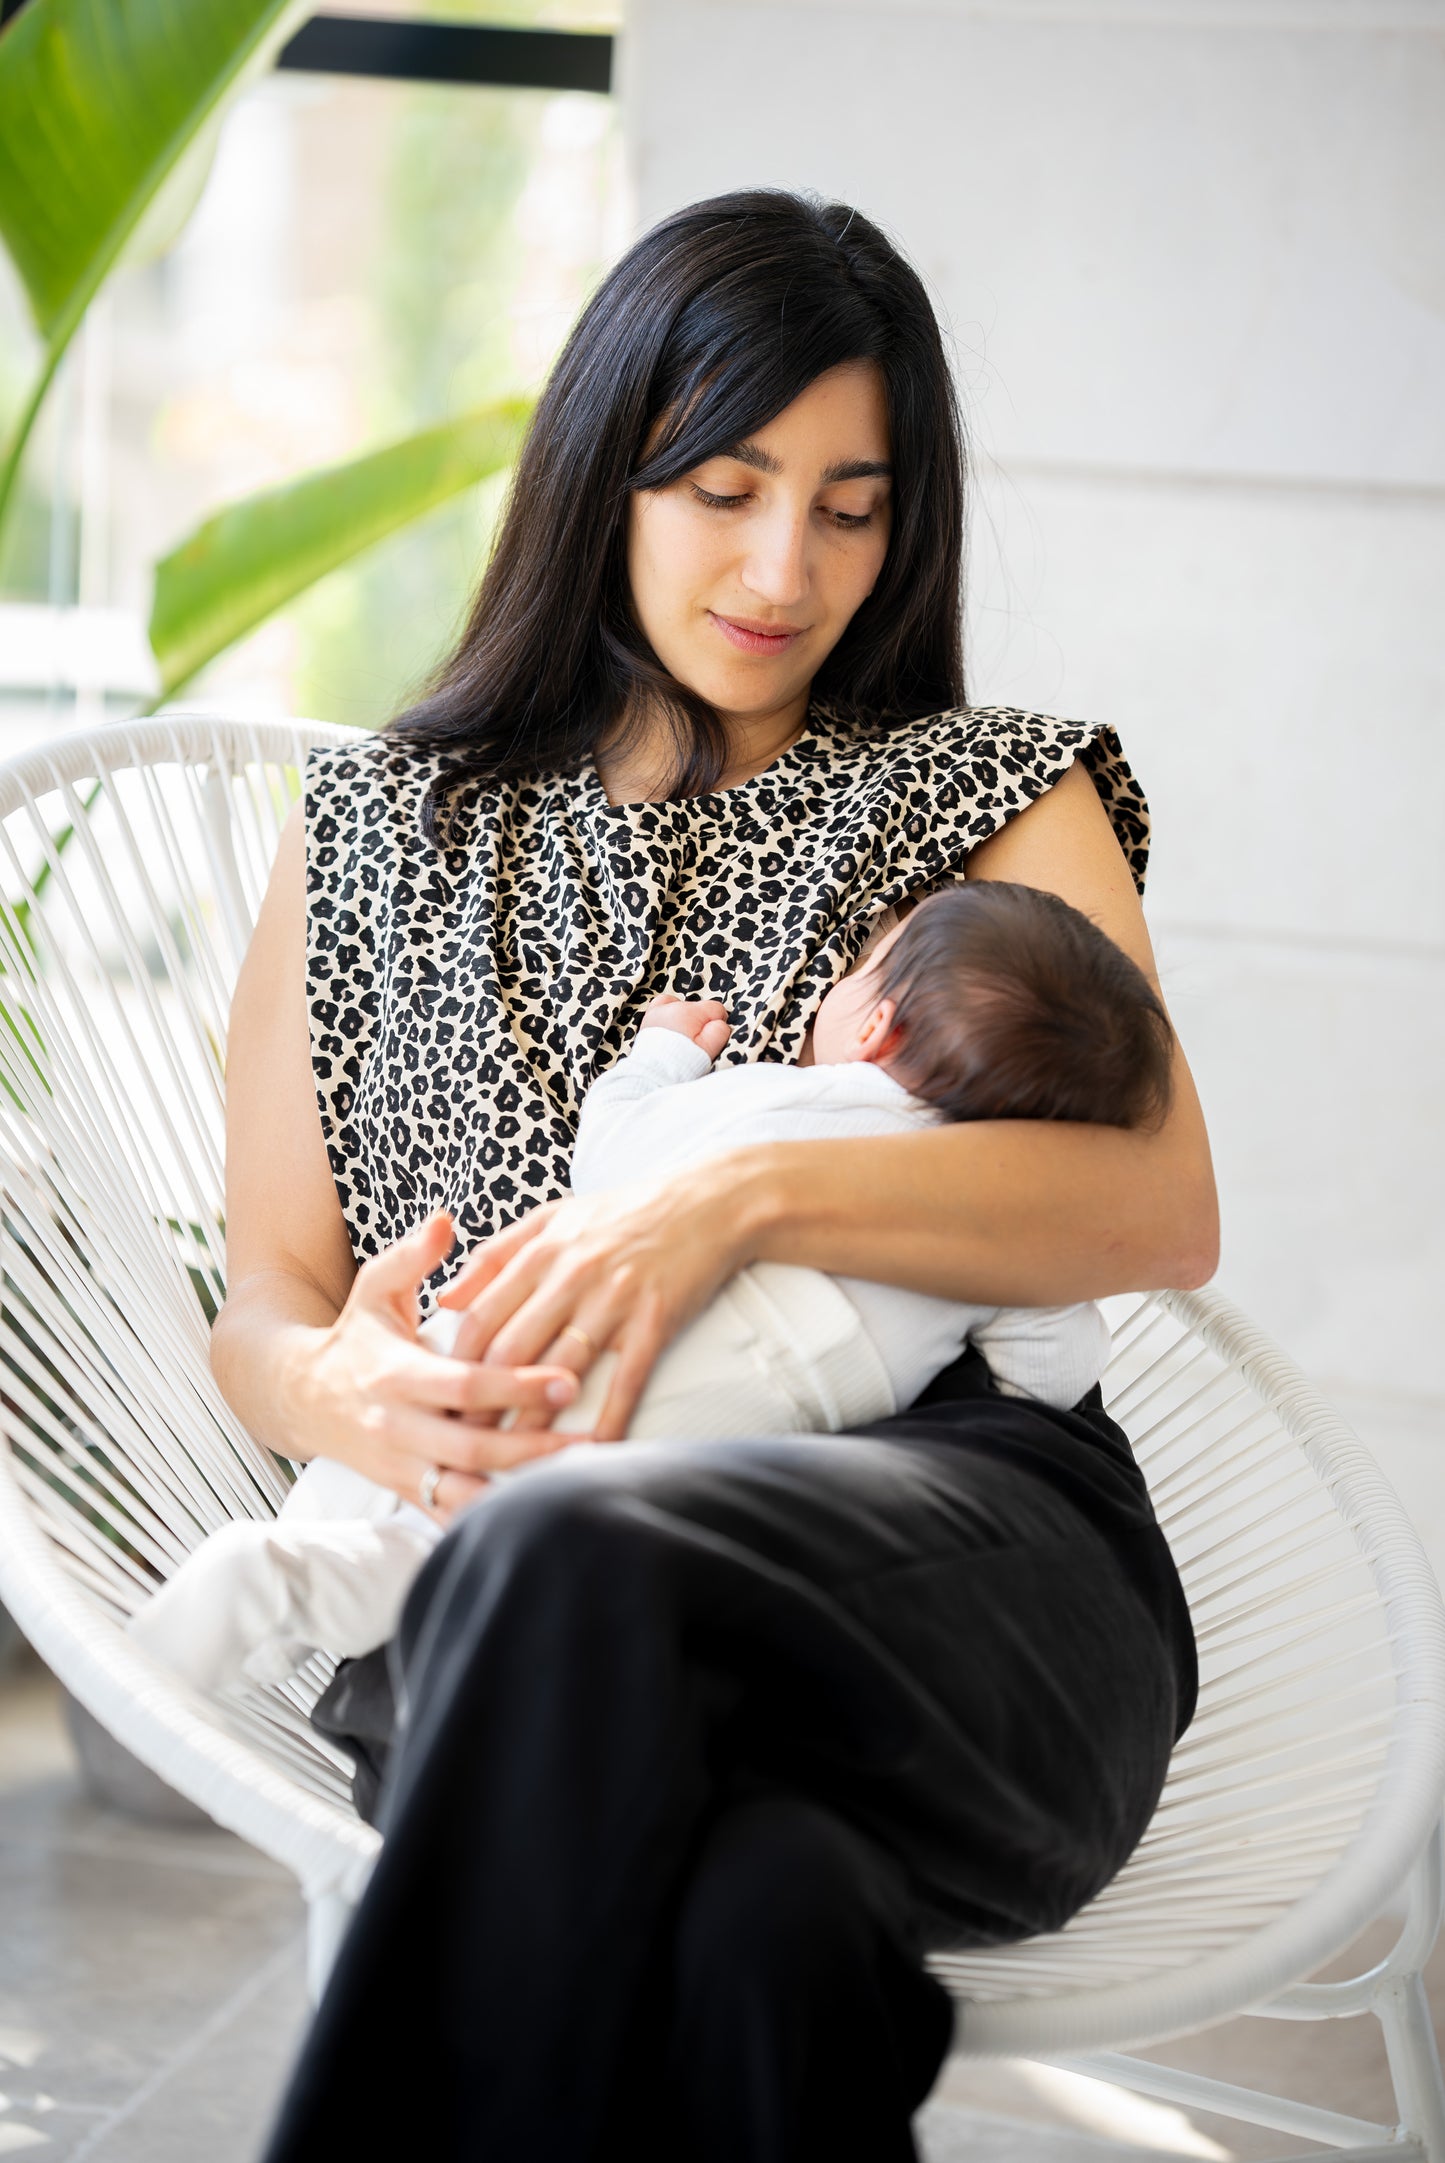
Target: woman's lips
column 753, row 637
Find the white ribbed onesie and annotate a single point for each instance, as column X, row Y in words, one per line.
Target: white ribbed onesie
column 661, row 1109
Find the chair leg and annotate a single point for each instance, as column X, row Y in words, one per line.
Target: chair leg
column 1404, row 2013
column 327, row 1916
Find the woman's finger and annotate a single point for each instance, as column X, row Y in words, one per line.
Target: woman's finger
column 497, row 1301
column 493, row 1255
column 565, row 1316
column 536, row 1266
column 578, row 1348
column 415, row 1440
column 450, row 1494
column 471, row 1389
column 401, row 1267
column 638, row 1347
column 404, row 1442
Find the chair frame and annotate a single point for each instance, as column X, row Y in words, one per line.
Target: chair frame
column 275, row 1798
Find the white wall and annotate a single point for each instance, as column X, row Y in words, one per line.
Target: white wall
column 1193, row 257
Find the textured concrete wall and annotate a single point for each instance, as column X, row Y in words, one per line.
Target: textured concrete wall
column 1193, row 259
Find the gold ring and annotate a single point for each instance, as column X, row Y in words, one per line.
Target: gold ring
column 575, row 1329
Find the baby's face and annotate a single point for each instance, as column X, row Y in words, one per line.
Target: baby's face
column 853, row 1021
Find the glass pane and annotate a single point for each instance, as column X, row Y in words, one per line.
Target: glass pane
column 368, row 257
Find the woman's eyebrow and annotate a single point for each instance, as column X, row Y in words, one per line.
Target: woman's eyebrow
column 859, row 469
column 843, row 469
column 752, row 454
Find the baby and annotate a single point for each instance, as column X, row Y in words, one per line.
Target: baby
column 989, row 1001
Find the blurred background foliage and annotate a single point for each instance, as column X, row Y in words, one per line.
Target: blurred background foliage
column 446, row 262
column 369, row 258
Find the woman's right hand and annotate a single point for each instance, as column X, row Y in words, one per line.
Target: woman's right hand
column 368, row 1392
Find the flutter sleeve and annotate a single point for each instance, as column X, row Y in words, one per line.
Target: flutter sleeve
column 1007, row 759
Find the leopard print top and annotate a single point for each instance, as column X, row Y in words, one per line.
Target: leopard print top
column 463, row 1000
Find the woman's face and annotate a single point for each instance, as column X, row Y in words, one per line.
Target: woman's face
column 746, row 571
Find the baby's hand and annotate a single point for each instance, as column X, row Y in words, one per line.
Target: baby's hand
column 703, row 1021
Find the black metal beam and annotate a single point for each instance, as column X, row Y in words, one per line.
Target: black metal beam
column 415, row 50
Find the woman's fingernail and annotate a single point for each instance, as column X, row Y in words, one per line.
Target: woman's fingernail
column 561, row 1391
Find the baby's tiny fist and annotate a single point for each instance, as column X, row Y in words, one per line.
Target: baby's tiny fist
column 707, row 1024
column 702, row 1021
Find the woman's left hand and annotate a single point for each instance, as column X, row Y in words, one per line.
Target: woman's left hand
column 622, row 1271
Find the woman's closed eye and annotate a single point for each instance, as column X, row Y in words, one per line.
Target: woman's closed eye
column 847, row 518
column 714, row 502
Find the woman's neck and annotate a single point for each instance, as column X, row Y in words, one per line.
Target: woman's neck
column 639, row 762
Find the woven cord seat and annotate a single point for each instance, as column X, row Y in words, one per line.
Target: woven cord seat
column 1302, row 1800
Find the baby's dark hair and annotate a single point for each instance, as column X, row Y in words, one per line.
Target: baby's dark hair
column 1011, row 1005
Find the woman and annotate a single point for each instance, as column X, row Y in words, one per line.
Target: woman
column 702, row 1746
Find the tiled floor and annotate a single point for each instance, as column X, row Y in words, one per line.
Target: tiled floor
column 151, row 1995
column 150, row 1978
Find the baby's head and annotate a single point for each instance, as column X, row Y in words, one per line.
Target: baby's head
column 993, row 1001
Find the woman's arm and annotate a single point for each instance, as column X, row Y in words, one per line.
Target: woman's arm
column 1002, row 1213
column 289, row 1265
column 1012, row 1212
column 316, row 1357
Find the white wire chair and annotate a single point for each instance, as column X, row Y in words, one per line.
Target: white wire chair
column 1306, row 1794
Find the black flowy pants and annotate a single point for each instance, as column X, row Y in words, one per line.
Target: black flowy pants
column 706, row 1744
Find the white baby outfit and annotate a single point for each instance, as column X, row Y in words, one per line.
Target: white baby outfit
column 779, row 1350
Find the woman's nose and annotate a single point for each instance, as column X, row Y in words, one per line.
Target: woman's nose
column 776, row 565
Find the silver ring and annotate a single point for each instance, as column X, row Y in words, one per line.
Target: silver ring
column 431, row 1479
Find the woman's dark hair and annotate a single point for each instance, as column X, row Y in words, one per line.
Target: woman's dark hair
column 705, row 330
column 1012, row 1005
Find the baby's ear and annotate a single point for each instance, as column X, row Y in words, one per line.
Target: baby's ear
column 880, row 1039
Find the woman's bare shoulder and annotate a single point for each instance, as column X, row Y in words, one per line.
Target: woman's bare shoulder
column 1067, row 843
column 283, row 906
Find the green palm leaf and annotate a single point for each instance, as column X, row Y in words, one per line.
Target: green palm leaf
column 99, row 102
column 253, row 557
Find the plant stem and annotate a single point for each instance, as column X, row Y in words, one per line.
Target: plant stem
column 15, row 449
